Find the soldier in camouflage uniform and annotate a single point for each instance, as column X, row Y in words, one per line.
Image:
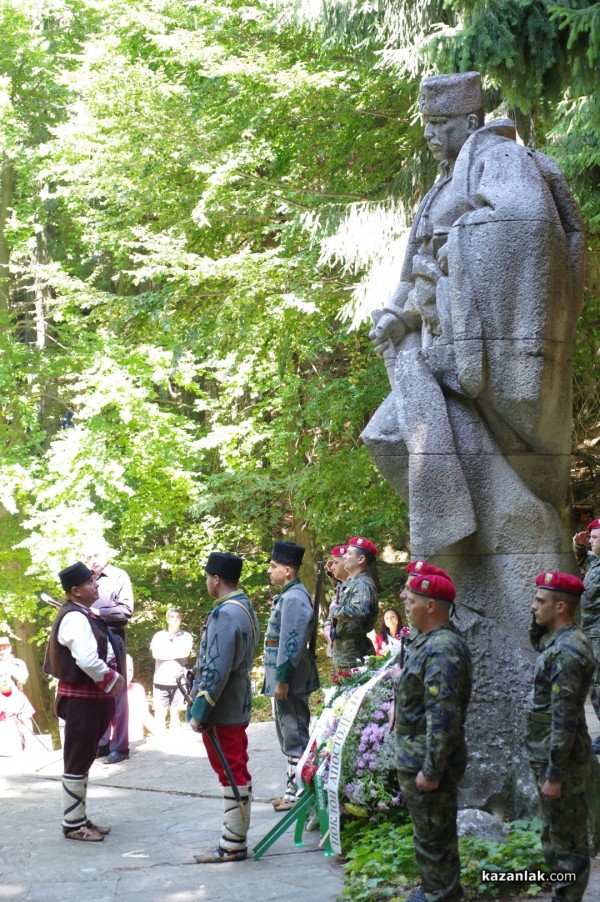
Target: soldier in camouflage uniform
column 416, row 568
column 586, row 546
column 355, row 614
column 557, row 738
column 223, row 696
column 338, row 575
column 290, row 668
column 432, row 695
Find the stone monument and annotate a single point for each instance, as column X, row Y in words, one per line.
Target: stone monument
column 476, row 433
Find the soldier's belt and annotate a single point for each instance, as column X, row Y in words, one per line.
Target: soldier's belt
column 539, row 717
column 271, row 643
column 411, row 729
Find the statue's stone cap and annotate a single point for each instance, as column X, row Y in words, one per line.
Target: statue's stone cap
column 451, row 95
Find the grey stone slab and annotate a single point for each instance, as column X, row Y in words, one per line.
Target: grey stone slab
column 163, row 804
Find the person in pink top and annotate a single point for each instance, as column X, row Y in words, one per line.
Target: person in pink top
column 391, row 629
column 16, row 712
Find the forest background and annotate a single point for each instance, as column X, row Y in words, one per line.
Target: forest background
column 201, row 203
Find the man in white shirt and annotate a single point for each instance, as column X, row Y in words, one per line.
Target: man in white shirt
column 171, row 649
column 115, row 606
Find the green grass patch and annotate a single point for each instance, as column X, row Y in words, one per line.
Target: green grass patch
column 380, row 863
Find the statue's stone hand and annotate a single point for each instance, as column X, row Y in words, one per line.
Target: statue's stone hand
column 389, row 327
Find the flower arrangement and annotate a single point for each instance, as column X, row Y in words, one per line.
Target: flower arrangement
column 369, row 758
column 369, row 783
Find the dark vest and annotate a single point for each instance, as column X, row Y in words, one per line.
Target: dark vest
column 59, row 661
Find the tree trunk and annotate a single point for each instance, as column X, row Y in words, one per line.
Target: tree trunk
column 6, row 191
column 36, row 688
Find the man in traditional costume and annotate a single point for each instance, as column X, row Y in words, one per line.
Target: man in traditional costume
column 77, row 654
column 290, row 668
column 223, row 697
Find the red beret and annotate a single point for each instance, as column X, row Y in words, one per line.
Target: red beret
column 363, row 544
column 433, row 586
column 560, row 582
column 338, row 551
column 422, row 568
column 593, row 524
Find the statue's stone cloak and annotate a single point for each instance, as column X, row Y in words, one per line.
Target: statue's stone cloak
column 476, row 433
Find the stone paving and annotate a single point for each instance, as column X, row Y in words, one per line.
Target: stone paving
column 164, row 805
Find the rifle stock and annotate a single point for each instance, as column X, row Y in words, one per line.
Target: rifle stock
column 47, row 599
column 316, row 605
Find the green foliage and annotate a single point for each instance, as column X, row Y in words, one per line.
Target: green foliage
column 192, row 194
column 520, row 851
column 380, row 860
column 380, row 863
column 176, row 167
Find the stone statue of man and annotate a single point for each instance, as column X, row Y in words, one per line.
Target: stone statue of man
column 476, row 433
column 477, row 337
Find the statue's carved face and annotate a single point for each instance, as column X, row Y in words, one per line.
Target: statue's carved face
column 445, row 135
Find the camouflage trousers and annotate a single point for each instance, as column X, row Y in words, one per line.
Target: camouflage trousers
column 595, row 687
column 433, row 816
column 349, row 652
column 565, row 835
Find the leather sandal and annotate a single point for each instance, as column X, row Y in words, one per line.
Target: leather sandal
column 284, row 804
column 84, row 834
column 219, row 855
column 103, row 831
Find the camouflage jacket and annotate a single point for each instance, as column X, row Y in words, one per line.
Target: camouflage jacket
column 223, row 691
column 357, row 610
column 590, row 600
column 557, row 736
column 432, row 696
column 287, row 657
